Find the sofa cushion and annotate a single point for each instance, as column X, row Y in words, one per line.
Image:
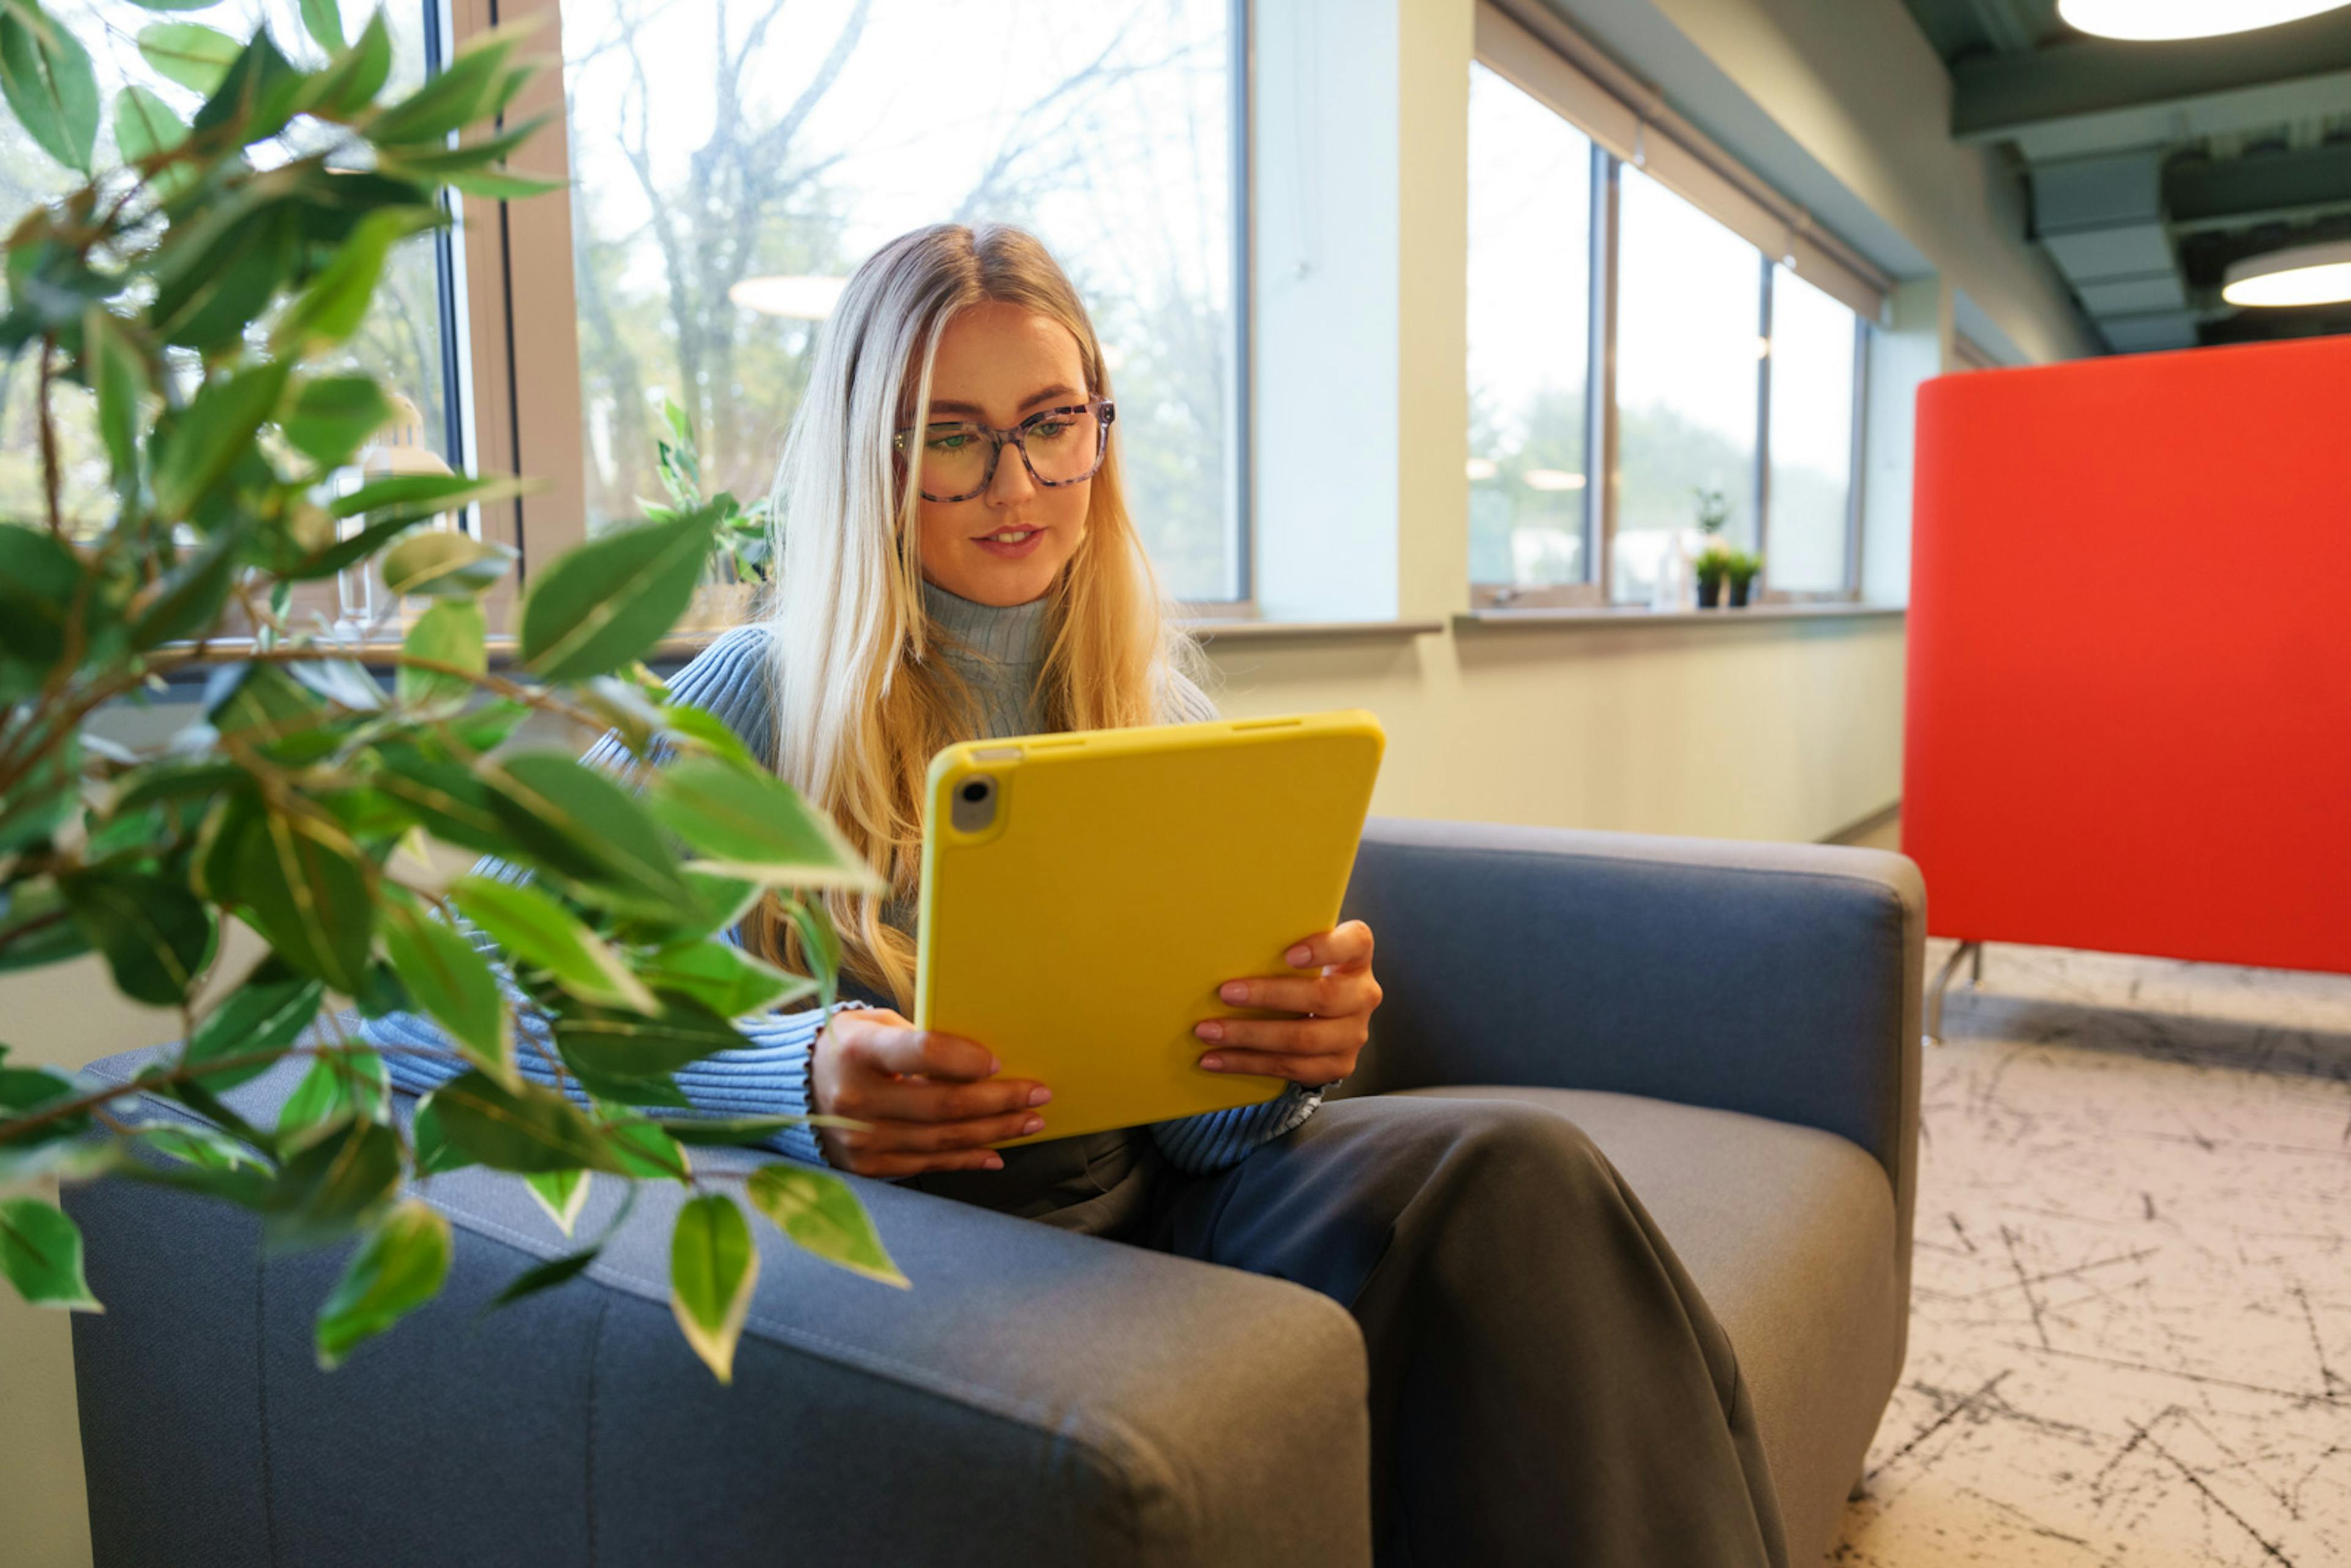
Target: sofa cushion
column 1789, row 1233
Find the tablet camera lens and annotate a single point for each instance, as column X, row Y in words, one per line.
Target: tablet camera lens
column 976, row 791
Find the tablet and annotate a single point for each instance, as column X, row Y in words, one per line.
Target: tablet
column 1084, row 894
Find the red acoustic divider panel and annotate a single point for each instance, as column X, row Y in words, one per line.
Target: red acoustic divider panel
column 2129, row 709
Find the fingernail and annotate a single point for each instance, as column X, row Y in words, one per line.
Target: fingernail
column 1209, row 1029
column 1233, row 991
column 994, row 1067
column 1296, row 958
column 1040, row 1094
column 1031, row 1125
column 994, row 1163
column 1213, row 1063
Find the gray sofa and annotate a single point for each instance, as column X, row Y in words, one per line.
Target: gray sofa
column 1737, row 1025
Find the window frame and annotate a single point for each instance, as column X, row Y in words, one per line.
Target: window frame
column 1602, row 499
column 531, row 337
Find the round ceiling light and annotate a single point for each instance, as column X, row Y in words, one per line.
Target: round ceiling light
column 794, row 299
column 2299, row 274
column 2147, row 19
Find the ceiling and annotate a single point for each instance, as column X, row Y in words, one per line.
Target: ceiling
column 2153, row 166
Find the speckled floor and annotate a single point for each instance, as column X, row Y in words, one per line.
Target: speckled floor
column 2131, row 1324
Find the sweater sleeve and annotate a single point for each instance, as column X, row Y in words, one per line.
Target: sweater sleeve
column 768, row 1075
column 1222, row 1138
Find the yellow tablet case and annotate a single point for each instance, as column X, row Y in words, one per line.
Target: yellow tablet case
column 1121, row 877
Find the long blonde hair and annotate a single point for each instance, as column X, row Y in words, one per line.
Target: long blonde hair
column 860, row 704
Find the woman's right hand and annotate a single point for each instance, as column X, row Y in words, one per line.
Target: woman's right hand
column 931, row 1100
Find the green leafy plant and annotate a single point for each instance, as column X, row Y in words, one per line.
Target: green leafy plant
column 1713, row 510
column 1714, row 563
column 1742, row 568
column 191, row 293
column 741, row 546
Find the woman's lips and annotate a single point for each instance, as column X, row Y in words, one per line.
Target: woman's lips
column 997, row 547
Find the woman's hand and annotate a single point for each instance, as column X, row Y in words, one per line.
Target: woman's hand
column 926, row 1096
column 1337, row 1000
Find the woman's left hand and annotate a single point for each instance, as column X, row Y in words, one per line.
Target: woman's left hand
column 1322, row 1047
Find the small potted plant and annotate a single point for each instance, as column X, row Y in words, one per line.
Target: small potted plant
column 1713, row 568
column 1742, row 568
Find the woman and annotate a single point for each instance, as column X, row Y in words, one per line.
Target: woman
column 956, row 560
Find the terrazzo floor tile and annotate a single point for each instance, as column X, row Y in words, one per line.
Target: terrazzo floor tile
column 2131, row 1317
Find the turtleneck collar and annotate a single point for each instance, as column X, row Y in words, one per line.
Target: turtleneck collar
column 1005, row 634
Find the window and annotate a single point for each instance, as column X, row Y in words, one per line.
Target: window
column 1530, row 341
column 732, row 164
column 1814, row 367
column 408, row 342
column 1642, row 312
column 1690, row 324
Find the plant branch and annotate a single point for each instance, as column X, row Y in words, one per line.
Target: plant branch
column 50, row 441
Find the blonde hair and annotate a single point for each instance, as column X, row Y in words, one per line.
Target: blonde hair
column 860, row 704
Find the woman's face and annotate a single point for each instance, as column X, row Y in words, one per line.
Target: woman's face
column 996, row 365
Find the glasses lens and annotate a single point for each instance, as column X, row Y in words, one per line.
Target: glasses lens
column 1065, row 446
column 955, row 460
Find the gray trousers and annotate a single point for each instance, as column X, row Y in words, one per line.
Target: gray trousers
column 1547, row 1387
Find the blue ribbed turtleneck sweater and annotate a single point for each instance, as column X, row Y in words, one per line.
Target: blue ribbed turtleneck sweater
column 998, row 650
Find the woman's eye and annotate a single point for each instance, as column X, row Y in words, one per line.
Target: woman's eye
column 1051, row 430
column 955, row 441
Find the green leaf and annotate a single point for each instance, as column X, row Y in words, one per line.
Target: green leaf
column 301, row 887
column 535, row 929
column 648, row 1151
column 562, row 1193
column 118, row 375
column 40, row 583
column 723, row 978
column 473, row 87
column 260, row 92
column 453, row 633
column 40, row 1251
column 156, row 935
column 350, row 82
column 588, row 829
column 215, row 428
column 189, row 52
column 324, row 18
column 344, row 682
column 526, row 1129
column 819, row 945
column 264, row 1014
column 398, row 1269
column 733, row 1132
column 707, row 732
column 544, row 1277
column 713, row 1269
column 333, row 1185
column 36, row 928
column 749, row 822
column 45, row 74
column 452, row 984
column 201, row 1146
column 332, row 417
column 447, row 797
column 444, row 563
column 339, row 1087
column 332, row 308
column 43, row 801
column 607, row 602
column 415, row 496
column 146, row 127
column 611, row 1044
column 259, row 702
column 435, row 1152
column 175, row 5
column 818, row 1210
column 189, row 598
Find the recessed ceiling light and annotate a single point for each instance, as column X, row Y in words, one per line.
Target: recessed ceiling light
column 2298, row 275
column 1551, row 479
column 798, row 298
column 2147, row 19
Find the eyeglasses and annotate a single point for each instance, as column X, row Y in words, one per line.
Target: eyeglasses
column 1058, row 446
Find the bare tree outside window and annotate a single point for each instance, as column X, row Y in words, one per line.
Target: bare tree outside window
column 732, row 161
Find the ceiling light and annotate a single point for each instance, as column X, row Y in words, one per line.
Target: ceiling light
column 1551, row 479
column 798, row 298
column 2147, row 19
column 2298, row 275
column 1482, row 468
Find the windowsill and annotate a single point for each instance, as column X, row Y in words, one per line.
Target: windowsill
column 1584, row 620
column 1209, row 630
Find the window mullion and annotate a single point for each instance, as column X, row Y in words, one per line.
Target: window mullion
column 1763, row 428
column 1600, row 497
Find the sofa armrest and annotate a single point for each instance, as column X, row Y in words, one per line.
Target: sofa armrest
column 1781, row 981
column 1037, row 1396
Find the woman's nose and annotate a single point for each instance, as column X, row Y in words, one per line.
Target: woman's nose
column 1013, row 484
